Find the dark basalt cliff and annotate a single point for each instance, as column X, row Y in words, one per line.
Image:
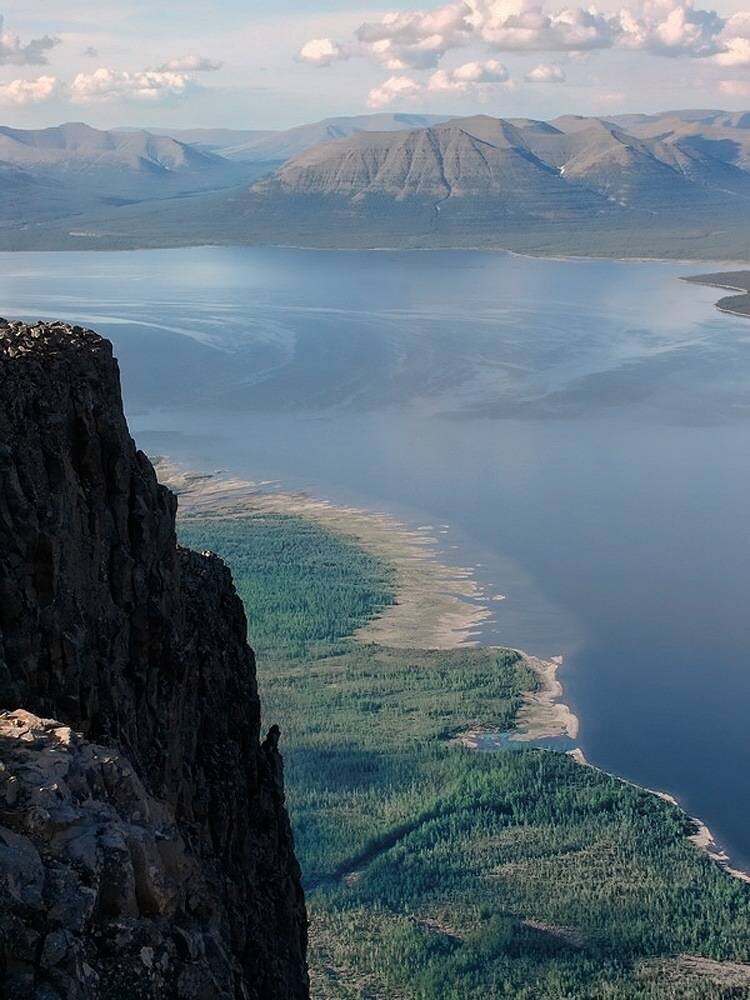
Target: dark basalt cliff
column 166, row 868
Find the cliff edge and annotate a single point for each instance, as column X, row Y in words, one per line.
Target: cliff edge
column 145, row 850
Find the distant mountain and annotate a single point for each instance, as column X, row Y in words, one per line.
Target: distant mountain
column 73, row 168
column 209, row 140
column 726, row 138
column 732, row 119
column 477, row 158
column 80, row 147
column 275, row 146
column 527, row 168
column 676, row 184
column 278, row 147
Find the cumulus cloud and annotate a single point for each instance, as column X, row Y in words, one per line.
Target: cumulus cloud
column 393, row 88
column 546, row 73
column 190, row 64
column 737, row 25
column 411, row 41
column 735, row 39
column 321, row 52
column 21, row 92
column 672, row 28
column 417, row 39
column 611, row 99
column 108, row 85
column 735, row 88
column 520, row 25
column 736, row 53
column 467, row 78
column 13, row 52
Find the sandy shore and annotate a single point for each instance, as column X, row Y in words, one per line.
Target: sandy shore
column 704, row 839
column 544, row 713
column 437, row 606
column 543, row 716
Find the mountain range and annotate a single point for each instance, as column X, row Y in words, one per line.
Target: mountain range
column 274, row 147
column 72, row 169
column 674, row 184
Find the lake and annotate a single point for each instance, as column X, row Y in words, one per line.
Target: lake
column 576, row 431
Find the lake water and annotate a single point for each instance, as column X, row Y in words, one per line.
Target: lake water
column 582, row 428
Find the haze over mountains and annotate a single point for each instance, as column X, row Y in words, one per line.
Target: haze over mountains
column 675, row 184
column 74, row 168
column 274, row 147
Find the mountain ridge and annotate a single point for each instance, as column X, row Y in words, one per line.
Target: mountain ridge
column 72, row 169
column 584, row 153
column 669, row 185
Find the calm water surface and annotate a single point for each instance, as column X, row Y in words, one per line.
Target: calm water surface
column 582, row 429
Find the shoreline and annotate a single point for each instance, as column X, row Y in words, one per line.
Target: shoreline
column 437, row 606
column 702, row 839
column 559, row 256
column 705, row 840
column 545, row 714
column 723, row 304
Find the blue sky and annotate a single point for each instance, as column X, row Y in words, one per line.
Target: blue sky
column 247, row 64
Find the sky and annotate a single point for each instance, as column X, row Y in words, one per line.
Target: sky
column 247, row 64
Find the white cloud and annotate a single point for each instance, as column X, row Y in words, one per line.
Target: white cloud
column 736, row 53
column 672, row 28
column 417, row 39
column 612, row 99
column 393, row 88
column 21, row 92
column 735, row 88
column 465, row 79
column 521, row 25
column 108, row 85
column 14, row 52
column 420, row 38
column 546, row 73
column 321, row 52
column 468, row 77
column 735, row 39
column 190, row 64
column 737, row 25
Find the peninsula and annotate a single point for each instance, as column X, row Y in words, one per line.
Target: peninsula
column 734, row 281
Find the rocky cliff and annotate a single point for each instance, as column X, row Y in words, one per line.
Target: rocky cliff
column 151, row 856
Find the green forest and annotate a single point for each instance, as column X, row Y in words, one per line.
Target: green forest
column 434, row 872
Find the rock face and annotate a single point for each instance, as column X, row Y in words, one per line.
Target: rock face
column 108, row 627
column 526, row 167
